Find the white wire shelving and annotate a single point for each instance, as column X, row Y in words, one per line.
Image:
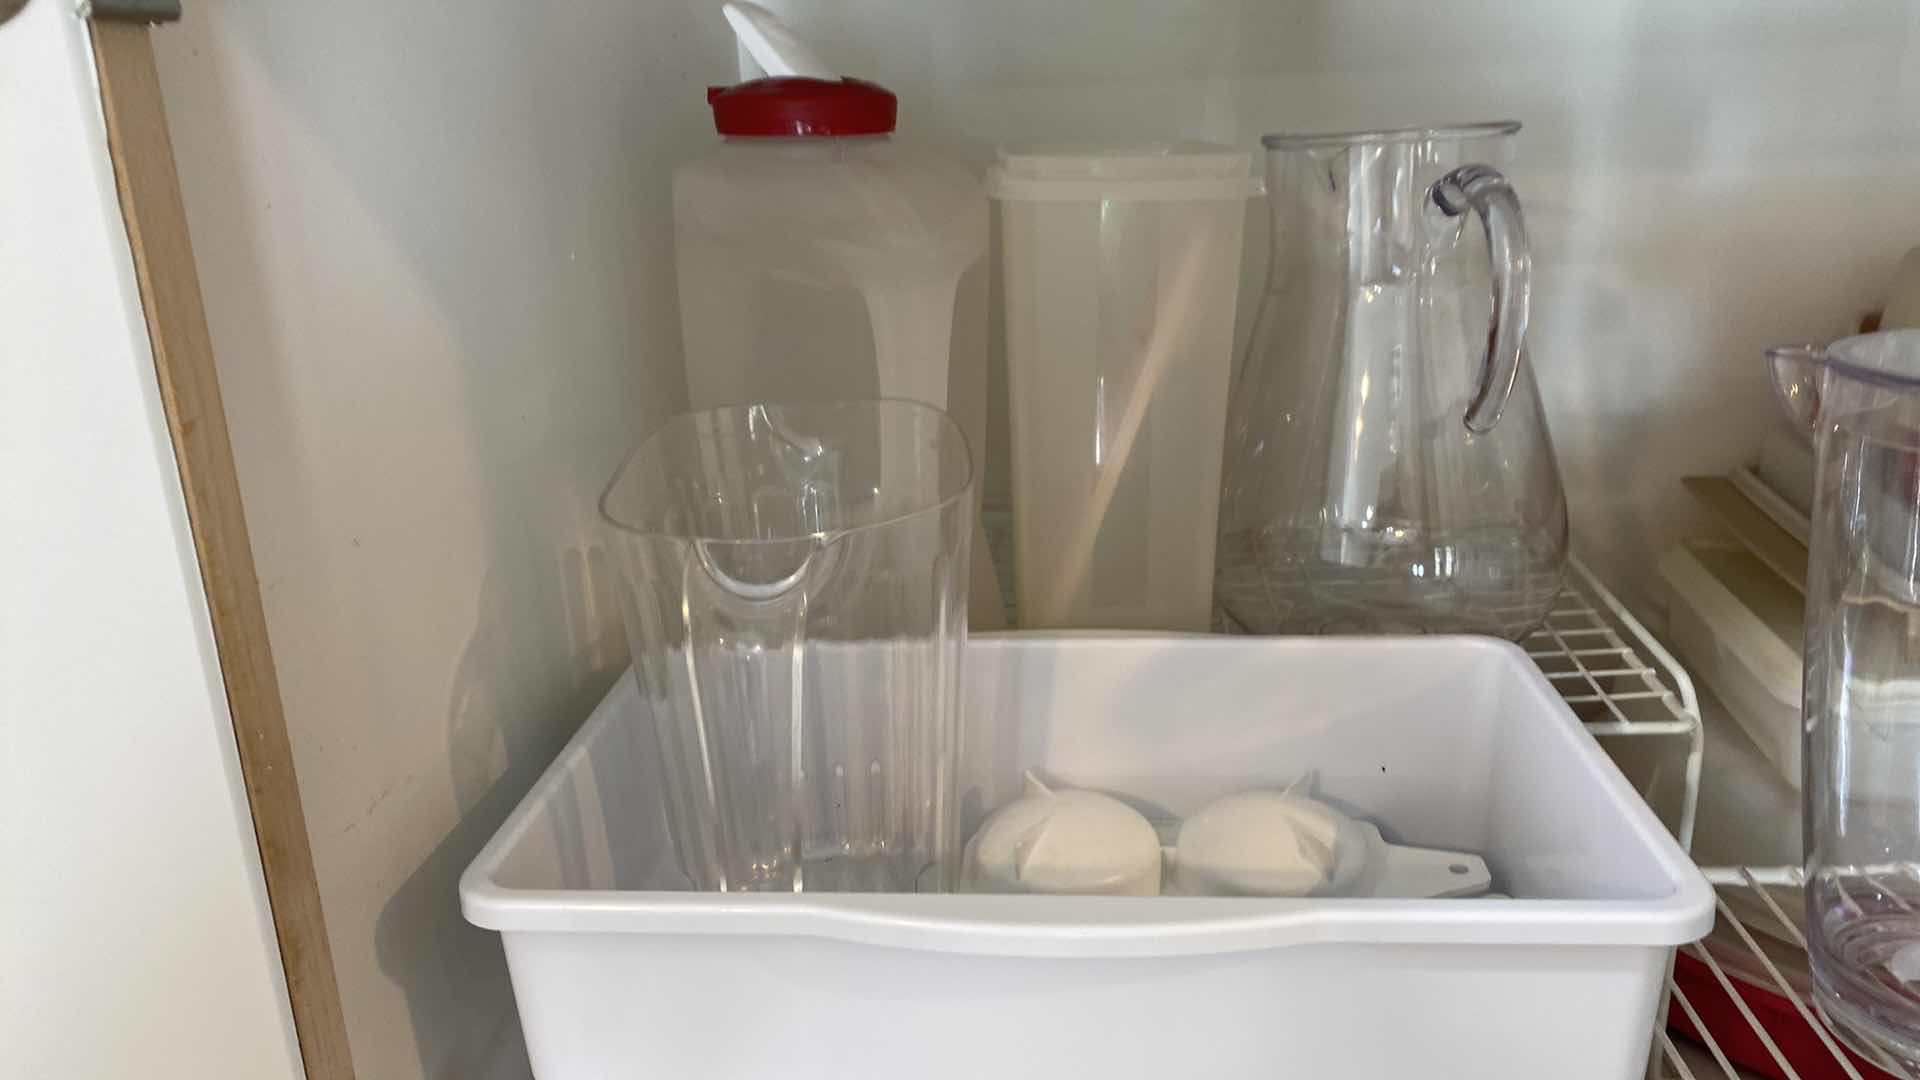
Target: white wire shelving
column 1619, row 680
column 1759, row 944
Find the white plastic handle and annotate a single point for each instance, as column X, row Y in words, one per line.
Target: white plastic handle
column 772, row 45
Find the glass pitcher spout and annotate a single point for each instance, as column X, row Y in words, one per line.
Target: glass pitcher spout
column 1889, row 360
column 1795, row 371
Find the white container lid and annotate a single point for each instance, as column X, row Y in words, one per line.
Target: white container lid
column 1124, row 172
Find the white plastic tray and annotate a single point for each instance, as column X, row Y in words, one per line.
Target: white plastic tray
column 1442, row 742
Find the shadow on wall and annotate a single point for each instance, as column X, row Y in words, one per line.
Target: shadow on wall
column 437, row 237
column 459, row 997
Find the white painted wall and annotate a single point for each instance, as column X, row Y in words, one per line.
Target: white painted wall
column 436, row 246
column 135, row 938
column 434, row 241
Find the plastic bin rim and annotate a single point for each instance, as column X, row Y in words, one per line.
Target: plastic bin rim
column 1110, row 927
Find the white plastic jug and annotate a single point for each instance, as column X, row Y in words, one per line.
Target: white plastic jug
column 819, row 260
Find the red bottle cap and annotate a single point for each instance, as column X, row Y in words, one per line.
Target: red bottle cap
column 789, row 105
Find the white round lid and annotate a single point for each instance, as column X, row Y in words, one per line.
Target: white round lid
column 1064, row 841
column 1265, row 843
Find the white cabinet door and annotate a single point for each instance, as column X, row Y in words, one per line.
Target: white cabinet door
column 135, row 935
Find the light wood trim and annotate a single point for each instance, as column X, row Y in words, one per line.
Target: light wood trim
column 163, row 262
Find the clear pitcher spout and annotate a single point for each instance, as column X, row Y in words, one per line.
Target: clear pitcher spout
column 1795, row 370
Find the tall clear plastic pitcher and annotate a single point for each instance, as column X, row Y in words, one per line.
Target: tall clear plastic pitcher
column 1861, row 399
column 794, row 584
column 1388, row 467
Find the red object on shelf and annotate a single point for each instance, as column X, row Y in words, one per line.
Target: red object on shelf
column 793, row 106
column 1797, row 1040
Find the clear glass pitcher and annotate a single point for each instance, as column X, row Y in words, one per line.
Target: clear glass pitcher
column 1388, row 467
column 794, row 585
column 1861, row 786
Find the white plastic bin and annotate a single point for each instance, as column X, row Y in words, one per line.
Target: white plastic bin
column 1738, row 626
column 1447, row 742
column 1122, row 269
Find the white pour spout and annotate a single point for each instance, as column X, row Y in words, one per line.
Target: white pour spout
column 772, row 45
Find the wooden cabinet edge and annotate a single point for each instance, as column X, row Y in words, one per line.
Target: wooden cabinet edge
column 149, row 192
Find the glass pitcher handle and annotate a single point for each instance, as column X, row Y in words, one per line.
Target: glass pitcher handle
column 1485, row 191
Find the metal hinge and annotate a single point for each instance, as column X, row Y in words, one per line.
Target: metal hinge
column 140, row 11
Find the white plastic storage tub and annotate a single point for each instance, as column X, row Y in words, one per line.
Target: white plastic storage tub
column 1738, row 625
column 1443, row 742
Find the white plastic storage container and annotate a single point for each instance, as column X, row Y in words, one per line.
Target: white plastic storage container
column 1445, row 742
column 820, row 260
column 1738, row 626
column 1122, row 267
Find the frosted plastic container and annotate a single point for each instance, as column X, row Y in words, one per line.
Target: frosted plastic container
column 1122, row 268
column 1738, row 626
column 832, row 269
column 1446, row 742
column 821, row 265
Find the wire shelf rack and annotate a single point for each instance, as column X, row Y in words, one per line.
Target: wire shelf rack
column 1618, row 679
column 1754, row 982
